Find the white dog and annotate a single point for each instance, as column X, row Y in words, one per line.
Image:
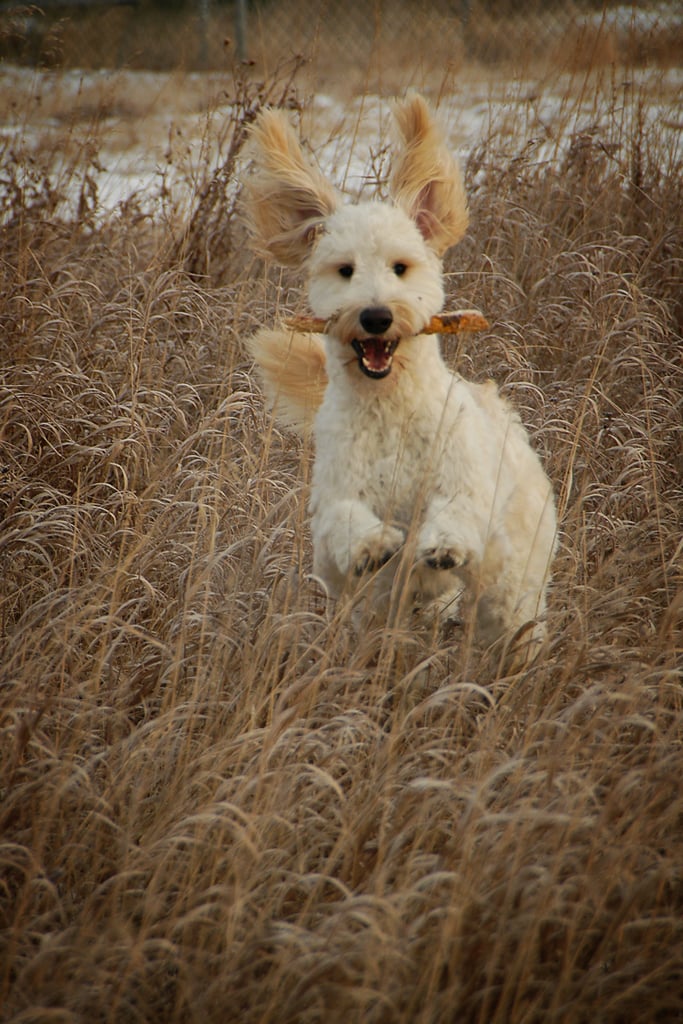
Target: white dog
column 422, row 480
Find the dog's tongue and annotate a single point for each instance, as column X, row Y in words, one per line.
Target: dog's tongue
column 375, row 354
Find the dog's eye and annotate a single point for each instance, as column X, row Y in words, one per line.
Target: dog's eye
column 346, row 270
column 399, row 269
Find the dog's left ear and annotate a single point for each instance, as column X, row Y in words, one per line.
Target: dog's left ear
column 425, row 179
column 285, row 198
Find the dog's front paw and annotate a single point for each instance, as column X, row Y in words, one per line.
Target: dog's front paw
column 443, row 557
column 376, row 550
column 444, row 548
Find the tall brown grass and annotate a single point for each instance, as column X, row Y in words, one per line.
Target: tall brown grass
column 218, row 803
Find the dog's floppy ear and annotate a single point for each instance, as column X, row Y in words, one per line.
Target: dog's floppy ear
column 285, row 198
column 426, row 180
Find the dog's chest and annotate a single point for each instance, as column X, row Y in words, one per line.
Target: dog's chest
column 388, row 456
column 400, row 475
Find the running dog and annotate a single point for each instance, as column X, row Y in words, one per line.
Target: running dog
column 423, row 483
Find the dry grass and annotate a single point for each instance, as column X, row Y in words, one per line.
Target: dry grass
column 219, row 804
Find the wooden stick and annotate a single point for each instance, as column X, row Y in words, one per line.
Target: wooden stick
column 447, row 323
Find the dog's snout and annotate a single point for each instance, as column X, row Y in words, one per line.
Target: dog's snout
column 376, row 319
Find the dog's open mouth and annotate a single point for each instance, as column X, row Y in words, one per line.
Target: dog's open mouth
column 375, row 355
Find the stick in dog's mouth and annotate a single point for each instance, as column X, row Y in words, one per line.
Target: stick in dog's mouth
column 375, row 355
column 457, row 322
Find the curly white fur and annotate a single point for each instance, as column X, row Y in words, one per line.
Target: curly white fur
column 422, row 480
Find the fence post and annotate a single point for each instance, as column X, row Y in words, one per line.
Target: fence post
column 241, row 28
column 204, row 33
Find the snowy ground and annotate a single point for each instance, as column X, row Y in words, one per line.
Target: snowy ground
column 153, row 135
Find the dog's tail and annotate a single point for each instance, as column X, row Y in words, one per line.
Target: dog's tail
column 291, row 368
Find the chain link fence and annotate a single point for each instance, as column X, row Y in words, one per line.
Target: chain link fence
column 341, row 37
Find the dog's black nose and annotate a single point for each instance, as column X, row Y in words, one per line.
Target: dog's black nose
column 376, row 319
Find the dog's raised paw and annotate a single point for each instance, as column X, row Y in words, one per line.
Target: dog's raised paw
column 444, row 558
column 377, row 551
column 368, row 563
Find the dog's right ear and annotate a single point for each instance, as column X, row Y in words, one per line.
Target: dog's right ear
column 426, row 181
column 285, row 198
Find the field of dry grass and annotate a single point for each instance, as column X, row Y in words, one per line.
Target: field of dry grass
column 218, row 803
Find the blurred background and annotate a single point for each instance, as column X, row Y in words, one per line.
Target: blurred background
column 342, row 37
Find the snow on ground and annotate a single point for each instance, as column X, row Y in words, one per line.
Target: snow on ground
column 152, row 136
column 627, row 18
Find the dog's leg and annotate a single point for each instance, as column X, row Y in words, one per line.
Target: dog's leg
column 506, row 601
column 349, row 538
column 450, row 537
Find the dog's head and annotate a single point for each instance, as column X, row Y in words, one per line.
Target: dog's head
column 375, row 280
column 374, row 268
